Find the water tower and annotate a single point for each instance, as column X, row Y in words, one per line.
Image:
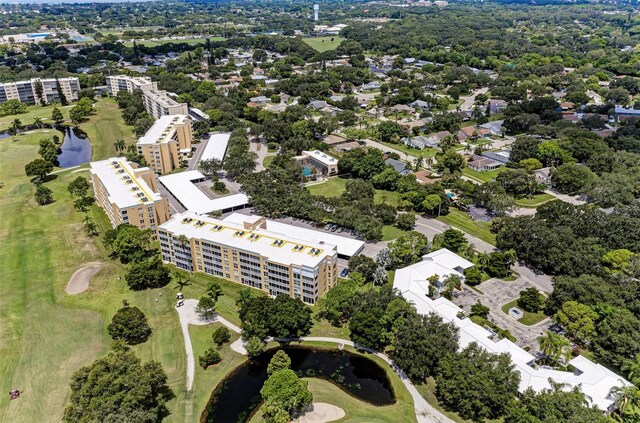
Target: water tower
column 316, row 9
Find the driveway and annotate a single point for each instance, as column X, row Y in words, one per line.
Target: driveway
column 469, row 100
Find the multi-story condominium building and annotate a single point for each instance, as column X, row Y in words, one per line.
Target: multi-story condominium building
column 128, row 193
column 130, row 84
column 39, row 91
column 158, row 103
column 166, row 143
column 242, row 250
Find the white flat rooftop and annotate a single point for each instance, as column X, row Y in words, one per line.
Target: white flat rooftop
column 595, row 380
column 162, row 130
column 216, row 147
column 124, row 187
column 286, row 250
column 193, row 199
column 346, row 246
column 322, row 157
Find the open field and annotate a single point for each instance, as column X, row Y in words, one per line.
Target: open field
column 460, row 220
column 529, row 318
column 42, row 112
column 155, row 43
column 415, row 152
column 323, row 43
column 335, row 186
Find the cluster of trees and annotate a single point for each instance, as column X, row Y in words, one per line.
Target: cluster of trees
column 283, row 392
column 118, row 387
column 79, row 190
column 239, row 161
column 40, row 168
column 262, row 317
column 134, row 246
column 133, row 111
column 81, row 110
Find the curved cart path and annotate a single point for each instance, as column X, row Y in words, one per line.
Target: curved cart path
column 425, row 413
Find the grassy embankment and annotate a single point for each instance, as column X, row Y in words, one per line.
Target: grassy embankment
column 323, row 43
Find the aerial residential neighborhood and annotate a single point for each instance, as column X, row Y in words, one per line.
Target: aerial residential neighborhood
column 373, row 211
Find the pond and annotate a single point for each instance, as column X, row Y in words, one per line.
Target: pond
column 237, row 397
column 76, row 148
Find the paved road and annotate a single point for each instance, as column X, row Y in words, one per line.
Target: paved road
column 262, row 151
column 469, row 100
column 197, row 155
column 384, row 148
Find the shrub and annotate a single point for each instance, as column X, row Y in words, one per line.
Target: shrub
column 221, row 336
column 209, row 358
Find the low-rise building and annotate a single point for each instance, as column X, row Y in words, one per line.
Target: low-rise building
column 40, row 91
column 128, row 193
column 413, row 283
column 323, row 163
column 129, row 84
column 243, row 250
column 166, row 143
column 158, row 103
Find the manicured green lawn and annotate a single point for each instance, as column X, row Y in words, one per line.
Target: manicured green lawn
column 485, row 176
column 535, row 201
column 267, row 160
column 529, row 318
column 323, row 43
column 334, row 187
column 462, row 221
column 391, row 232
column 104, row 127
column 42, row 112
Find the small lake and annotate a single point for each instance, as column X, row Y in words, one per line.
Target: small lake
column 237, row 397
column 76, row 148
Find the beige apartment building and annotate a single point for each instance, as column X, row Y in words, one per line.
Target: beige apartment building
column 128, row 193
column 28, row 91
column 241, row 249
column 166, row 143
column 158, row 104
column 130, row 84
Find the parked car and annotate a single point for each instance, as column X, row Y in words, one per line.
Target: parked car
column 344, row 273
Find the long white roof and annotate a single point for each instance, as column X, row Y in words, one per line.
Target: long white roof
column 322, row 157
column 346, row 246
column 124, row 187
column 193, row 199
column 216, row 147
column 595, row 380
column 162, row 129
column 274, row 246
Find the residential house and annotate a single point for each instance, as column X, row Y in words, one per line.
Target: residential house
column 471, row 132
column 495, row 127
column 421, row 105
column 501, row 156
column 371, row 86
column 260, row 99
column 497, row 106
column 419, row 142
column 623, row 113
column 400, row 167
column 543, row 176
column 482, row 164
column 402, row 108
column 318, row 104
column 437, row 138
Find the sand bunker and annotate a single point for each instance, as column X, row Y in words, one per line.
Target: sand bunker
column 80, row 279
column 321, row 413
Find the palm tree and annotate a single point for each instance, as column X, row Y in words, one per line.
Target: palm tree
column 183, row 240
column 429, row 162
column 632, row 367
column 510, row 257
column 37, row 122
column 469, row 251
column 120, row 145
column 483, row 261
column 436, row 243
column 625, row 399
column 553, row 345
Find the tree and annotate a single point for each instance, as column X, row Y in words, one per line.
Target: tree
column 366, row 328
column 120, row 145
column 632, row 369
column 206, row 308
column 618, row 261
column 625, row 399
column 480, row 310
column 338, row 303
column 130, row 325
column 406, row 221
column 420, row 343
column 131, row 244
column 38, row 168
column 214, row 291
column 150, row 273
column 12, row 107
column 254, row 346
column 531, row 300
column 451, row 161
column 408, row 248
column 90, row 226
column 289, row 317
column 364, row 265
column 279, row 361
column 210, row 167
column 454, row 240
column 530, row 164
column 472, row 276
column 387, row 129
column 431, row 203
column 209, row 358
column 43, row 195
column 56, row 115
column 79, row 187
column 48, row 150
column 476, row 383
column 61, row 96
column 571, row 178
column 578, row 320
column 221, row 336
column 553, row 405
column 283, row 393
column 118, row 387
column 553, row 346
